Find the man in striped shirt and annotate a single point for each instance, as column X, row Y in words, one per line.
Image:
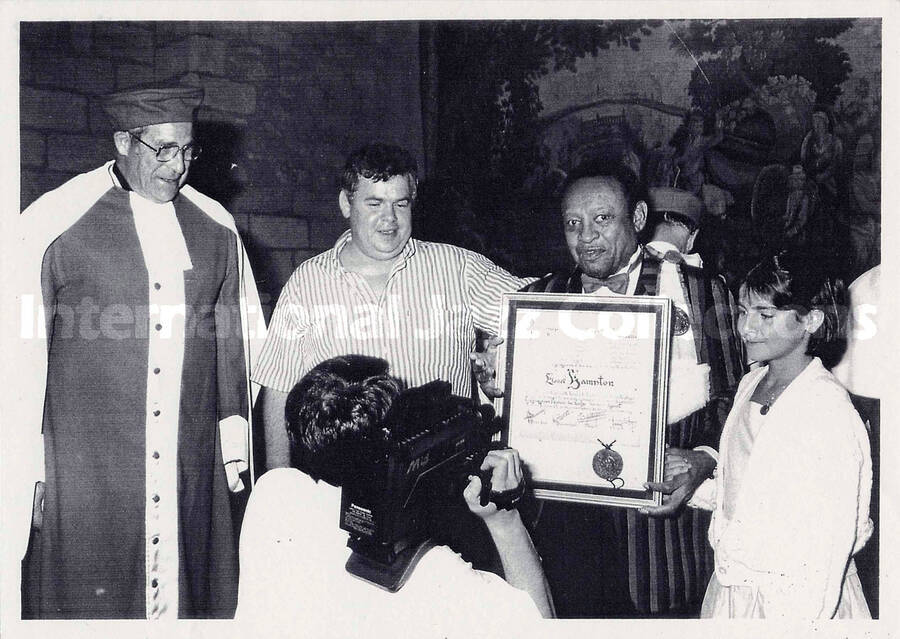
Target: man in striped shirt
column 379, row 292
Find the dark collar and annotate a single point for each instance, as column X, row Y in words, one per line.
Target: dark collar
column 121, row 178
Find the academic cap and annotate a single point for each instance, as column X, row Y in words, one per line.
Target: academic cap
column 143, row 107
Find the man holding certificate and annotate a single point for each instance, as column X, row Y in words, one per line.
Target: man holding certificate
column 605, row 561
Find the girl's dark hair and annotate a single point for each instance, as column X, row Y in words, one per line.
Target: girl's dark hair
column 800, row 281
column 334, row 414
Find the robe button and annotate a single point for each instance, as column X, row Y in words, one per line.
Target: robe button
column 156, row 371
column 154, row 583
column 155, row 540
column 157, row 285
column 155, row 498
column 156, row 413
column 155, row 456
column 158, row 327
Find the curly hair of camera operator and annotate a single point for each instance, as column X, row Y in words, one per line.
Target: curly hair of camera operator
column 334, row 415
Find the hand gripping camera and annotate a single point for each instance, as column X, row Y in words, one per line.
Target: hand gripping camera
column 432, row 442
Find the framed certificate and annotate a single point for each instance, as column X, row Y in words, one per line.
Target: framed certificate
column 586, row 383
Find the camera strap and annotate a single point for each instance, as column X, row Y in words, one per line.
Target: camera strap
column 504, row 499
column 508, row 499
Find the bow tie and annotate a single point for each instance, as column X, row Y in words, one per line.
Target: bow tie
column 615, row 283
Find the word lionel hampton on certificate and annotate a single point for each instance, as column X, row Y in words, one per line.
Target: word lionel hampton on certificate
column 586, row 381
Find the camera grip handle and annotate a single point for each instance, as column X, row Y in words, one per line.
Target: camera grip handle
column 506, row 499
column 485, row 477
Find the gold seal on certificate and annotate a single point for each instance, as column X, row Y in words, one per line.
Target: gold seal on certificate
column 608, row 464
column 586, row 381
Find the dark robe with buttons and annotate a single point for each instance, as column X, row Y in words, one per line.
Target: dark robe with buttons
column 88, row 561
column 605, row 561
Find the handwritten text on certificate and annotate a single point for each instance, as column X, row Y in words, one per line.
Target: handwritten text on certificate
column 581, row 401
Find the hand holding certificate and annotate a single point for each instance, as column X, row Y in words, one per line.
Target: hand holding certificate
column 586, row 382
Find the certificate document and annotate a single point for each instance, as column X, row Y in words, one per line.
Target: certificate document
column 585, row 381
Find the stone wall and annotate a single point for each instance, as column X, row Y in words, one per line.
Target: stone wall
column 285, row 103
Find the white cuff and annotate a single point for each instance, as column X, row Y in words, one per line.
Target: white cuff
column 234, row 432
column 704, row 497
column 688, row 389
column 709, row 450
column 232, row 475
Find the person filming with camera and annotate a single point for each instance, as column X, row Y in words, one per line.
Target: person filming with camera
column 293, row 553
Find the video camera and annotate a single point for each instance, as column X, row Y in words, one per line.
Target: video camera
column 432, row 442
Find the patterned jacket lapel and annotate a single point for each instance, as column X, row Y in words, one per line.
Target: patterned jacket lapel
column 648, row 278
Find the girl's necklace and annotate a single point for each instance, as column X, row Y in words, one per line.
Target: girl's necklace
column 772, row 396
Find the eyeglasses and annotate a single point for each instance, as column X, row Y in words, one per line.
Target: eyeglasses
column 189, row 151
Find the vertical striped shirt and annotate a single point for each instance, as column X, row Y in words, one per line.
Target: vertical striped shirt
column 423, row 323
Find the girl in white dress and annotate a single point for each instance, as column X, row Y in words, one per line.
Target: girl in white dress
column 792, row 488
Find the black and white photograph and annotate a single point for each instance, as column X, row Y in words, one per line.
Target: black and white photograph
column 259, row 378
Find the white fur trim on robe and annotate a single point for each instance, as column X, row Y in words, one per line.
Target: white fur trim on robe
column 688, row 379
column 237, row 443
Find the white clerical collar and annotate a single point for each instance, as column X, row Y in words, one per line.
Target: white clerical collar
column 159, row 234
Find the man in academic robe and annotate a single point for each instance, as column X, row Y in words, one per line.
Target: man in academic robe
column 136, row 374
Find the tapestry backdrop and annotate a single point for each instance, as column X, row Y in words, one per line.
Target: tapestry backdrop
column 497, row 113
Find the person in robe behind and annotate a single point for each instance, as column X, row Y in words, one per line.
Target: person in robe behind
column 861, row 370
column 139, row 389
column 674, row 222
